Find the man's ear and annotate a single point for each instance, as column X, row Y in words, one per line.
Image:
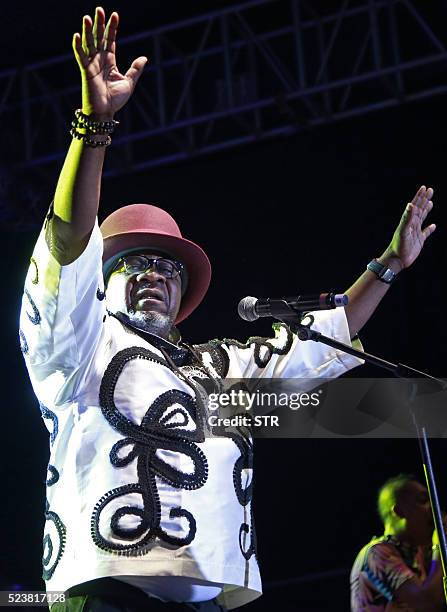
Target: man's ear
column 398, row 510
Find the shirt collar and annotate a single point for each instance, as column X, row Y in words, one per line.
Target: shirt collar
column 178, row 354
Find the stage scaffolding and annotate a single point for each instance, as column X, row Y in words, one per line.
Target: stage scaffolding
column 251, row 72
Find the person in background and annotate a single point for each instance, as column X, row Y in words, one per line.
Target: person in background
column 400, row 570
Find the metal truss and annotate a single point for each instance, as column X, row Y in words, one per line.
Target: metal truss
column 263, row 69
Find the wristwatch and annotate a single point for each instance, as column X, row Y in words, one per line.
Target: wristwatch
column 383, row 273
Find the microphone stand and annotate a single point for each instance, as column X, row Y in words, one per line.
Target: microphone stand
column 304, row 332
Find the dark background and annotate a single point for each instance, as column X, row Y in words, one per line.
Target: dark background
column 303, row 214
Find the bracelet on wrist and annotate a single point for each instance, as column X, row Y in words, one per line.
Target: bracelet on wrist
column 82, row 120
column 435, row 551
column 89, row 141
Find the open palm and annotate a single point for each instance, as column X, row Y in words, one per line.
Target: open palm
column 409, row 237
column 104, row 89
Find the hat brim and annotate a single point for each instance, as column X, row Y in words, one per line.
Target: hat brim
column 187, row 252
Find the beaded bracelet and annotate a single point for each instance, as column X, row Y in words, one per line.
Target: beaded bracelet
column 82, row 120
column 76, row 124
column 88, row 140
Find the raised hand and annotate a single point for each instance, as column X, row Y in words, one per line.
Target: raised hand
column 409, row 237
column 104, row 89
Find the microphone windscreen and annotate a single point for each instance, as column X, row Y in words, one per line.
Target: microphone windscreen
column 247, row 309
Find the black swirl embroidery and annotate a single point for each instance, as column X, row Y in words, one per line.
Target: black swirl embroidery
column 48, row 546
column 244, row 494
column 23, row 343
column 49, row 559
column 163, row 427
column 35, row 317
column 49, row 415
column 219, row 357
column 35, row 280
column 53, row 475
column 264, row 348
column 100, row 294
column 242, row 438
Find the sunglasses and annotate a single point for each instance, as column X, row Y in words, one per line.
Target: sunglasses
column 138, row 264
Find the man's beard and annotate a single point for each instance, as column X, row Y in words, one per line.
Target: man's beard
column 152, row 322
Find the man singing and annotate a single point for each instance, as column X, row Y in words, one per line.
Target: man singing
column 144, row 508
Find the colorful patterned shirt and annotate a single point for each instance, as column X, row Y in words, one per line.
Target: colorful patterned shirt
column 381, row 567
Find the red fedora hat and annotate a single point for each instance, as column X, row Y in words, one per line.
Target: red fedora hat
column 144, row 226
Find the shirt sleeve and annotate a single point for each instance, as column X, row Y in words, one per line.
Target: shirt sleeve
column 386, row 570
column 61, row 317
column 286, row 356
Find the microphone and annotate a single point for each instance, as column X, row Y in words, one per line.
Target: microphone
column 251, row 308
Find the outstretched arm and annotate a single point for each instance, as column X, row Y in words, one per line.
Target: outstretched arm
column 104, row 91
column 405, row 246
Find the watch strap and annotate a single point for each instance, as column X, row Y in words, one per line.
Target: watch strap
column 384, row 274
